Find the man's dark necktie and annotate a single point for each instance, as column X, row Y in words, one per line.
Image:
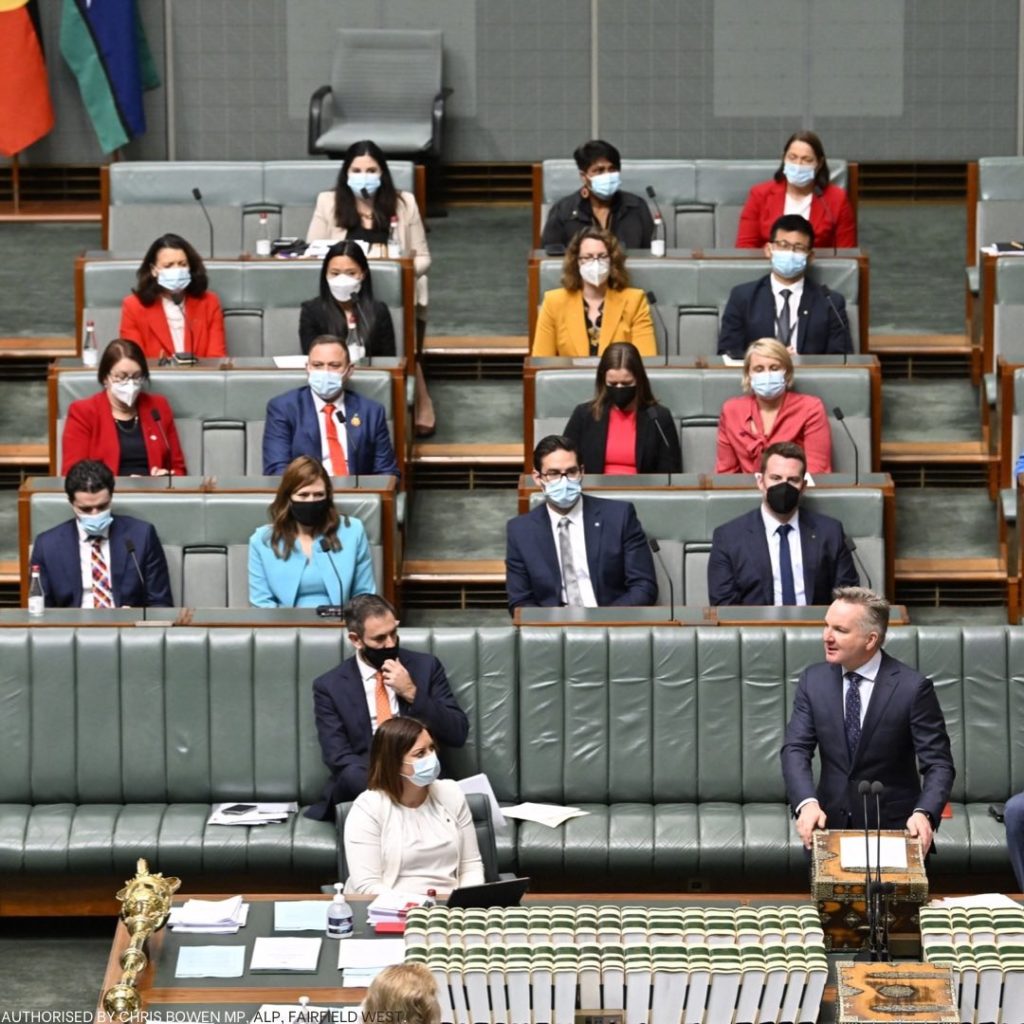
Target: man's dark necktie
column 853, row 712
column 785, row 330
column 786, row 565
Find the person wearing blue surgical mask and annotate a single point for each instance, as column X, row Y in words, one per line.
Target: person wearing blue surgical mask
column 770, row 412
column 800, row 186
column 410, row 830
column 601, row 202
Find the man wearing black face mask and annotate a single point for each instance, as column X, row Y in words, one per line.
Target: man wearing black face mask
column 379, row 682
column 779, row 554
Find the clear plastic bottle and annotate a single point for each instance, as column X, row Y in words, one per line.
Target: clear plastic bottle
column 431, row 899
column 658, row 238
column 90, row 353
column 394, row 242
column 339, row 916
column 36, row 597
column 263, row 238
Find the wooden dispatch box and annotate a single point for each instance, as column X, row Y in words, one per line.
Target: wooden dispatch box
column 839, row 895
column 898, row 993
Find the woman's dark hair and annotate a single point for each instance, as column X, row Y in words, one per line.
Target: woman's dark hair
column 621, row 355
column 301, row 472
column 385, row 202
column 146, row 287
column 596, row 149
column 812, row 140
column 618, row 276
column 118, row 349
column 391, row 742
column 366, row 312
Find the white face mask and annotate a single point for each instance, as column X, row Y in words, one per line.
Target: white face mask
column 595, row 272
column 126, row 391
column 344, row 286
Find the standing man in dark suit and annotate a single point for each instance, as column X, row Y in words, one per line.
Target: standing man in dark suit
column 339, row 428
column 779, row 553
column 574, row 549
column 379, row 682
column 785, row 304
column 870, row 717
column 97, row 559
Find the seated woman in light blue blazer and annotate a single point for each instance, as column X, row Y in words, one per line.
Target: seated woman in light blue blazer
column 291, row 559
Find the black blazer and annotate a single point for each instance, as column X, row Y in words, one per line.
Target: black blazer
column 656, row 451
column 740, row 567
column 750, row 314
column 314, row 321
column 630, row 221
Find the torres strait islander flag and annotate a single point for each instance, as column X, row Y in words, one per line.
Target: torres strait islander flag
column 105, row 46
column 26, row 113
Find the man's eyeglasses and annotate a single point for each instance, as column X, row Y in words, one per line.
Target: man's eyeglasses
column 791, row 247
column 551, row 476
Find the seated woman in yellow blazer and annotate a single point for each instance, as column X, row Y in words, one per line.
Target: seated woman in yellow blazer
column 595, row 305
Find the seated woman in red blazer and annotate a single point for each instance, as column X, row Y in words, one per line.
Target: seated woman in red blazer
column 171, row 309
column 130, row 430
column 770, row 412
column 800, row 185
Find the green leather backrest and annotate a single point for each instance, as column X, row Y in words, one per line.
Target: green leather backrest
column 1001, row 177
column 1008, row 341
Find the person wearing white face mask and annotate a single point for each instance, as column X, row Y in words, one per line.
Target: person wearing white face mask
column 595, row 305
column 346, row 308
column 409, row 830
column 770, row 412
column 800, row 185
column 172, row 311
column 125, row 426
column 600, row 202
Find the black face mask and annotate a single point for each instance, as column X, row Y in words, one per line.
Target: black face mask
column 621, row 397
column 376, row 656
column 310, row 513
column 782, row 498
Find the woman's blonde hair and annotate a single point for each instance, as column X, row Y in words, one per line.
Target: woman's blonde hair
column 407, row 991
column 618, row 278
column 773, row 350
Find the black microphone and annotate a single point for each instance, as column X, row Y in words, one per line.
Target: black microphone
column 864, row 788
column 129, row 546
column 656, row 548
column 880, row 926
column 198, row 197
column 331, row 611
column 827, row 292
column 654, row 199
column 652, row 301
column 838, row 413
column 848, row 541
column 652, row 415
column 155, row 413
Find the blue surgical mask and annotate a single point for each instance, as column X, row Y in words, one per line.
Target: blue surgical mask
column 98, row 524
column 799, row 174
column 359, row 183
column 788, row 264
column 326, row 384
column 174, row 279
column 769, row 383
column 563, row 493
column 425, row 770
column 604, row 186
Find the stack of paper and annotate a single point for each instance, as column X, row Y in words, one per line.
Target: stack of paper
column 361, row 960
column 393, row 906
column 210, row 962
column 210, row 917
column 551, row 815
column 234, row 813
column 292, row 955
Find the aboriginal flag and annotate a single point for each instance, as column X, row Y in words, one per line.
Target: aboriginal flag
column 26, row 113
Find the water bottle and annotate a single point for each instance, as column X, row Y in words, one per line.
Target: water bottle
column 339, row 916
column 36, row 598
column 658, row 238
column 263, row 241
column 354, row 341
column 90, row 354
column 431, row 899
column 394, row 243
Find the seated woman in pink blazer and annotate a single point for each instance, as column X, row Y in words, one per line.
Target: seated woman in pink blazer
column 800, row 185
column 171, row 308
column 770, row 412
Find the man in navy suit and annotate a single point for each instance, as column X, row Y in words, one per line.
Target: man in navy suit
column 97, row 559
column 871, row 718
column 779, row 553
column 574, row 549
column 306, row 421
column 785, row 304
column 379, row 682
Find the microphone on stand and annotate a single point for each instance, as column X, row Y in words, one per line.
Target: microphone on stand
column 198, row 197
column 864, row 788
column 652, row 415
column 654, row 199
column 652, row 301
column 838, row 413
column 331, row 611
column 881, row 898
column 827, row 292
column 852, row 548
column 656, row 548
column 155, row 413
column 129, row 546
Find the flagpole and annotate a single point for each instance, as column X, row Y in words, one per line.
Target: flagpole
column 16, row 183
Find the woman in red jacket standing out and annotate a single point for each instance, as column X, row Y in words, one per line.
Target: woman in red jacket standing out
column 800, row 185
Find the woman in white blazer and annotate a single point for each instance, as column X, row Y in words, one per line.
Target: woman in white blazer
column 410, row 830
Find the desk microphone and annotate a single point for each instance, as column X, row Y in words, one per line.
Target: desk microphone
column 852, row 548
column 654, row 199
column 331, row 611
column 656, row 548
column 652, row 415
column 881, row 895
column 198, row 197
column 827, row 292
column 838, row 413
column 652, row 301
column 864, row 788
column 129, row 546
column 155, row 414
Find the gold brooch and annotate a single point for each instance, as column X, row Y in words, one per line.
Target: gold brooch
column 356, row 421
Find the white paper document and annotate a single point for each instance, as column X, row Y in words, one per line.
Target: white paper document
column 481, row 784
column 367, row 954
column 270, row 954
column 262, row 813
column 290, row 362
column 894, row 853
column 551, row 815
column 300, row 915
column 210, row 962
column 984, row 900
column 393, row 905
column 214, row 917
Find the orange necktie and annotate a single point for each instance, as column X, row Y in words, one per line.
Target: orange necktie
column 383, row 703
column 339, row 466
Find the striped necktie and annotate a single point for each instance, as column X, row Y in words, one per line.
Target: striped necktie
column 102, row 592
